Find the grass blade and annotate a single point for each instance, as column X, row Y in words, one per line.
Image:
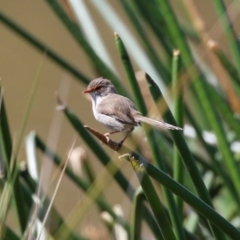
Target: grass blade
column 153, row 200
column 178, row 167
column 136, row 214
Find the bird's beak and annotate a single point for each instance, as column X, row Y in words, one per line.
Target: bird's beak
column 93, row 89
column 88, row 90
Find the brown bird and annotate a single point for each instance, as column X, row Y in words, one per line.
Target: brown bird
column 117, row 112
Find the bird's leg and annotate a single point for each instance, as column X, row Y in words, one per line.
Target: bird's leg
column 108, row 134
column 128, row 133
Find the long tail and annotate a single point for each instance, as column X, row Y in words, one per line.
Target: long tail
column 156, row 123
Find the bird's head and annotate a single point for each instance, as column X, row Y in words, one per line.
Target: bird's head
column 100, row 87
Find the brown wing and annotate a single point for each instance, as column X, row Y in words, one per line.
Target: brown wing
column 119, row 107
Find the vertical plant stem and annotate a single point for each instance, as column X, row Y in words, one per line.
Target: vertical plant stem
column 178, row 167
column 211, row 154
column 12, row 178
column 229, row 30
column 136, row 215
column 128, row 6
column 153, row 200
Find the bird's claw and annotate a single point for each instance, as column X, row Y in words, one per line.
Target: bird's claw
column 107, row 137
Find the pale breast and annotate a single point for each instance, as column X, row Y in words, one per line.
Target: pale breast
column 107, row 120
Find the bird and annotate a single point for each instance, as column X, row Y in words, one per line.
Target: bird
column 116, row 112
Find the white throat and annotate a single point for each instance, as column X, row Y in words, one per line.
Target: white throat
column 96, row 100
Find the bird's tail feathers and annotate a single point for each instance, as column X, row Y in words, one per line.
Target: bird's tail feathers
column 156, row 123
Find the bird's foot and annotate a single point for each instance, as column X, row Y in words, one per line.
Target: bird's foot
column 107, row 136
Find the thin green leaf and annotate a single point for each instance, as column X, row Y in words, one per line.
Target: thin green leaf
column 5, row 137
column 218, row 166
column 137, row 214
column 128, row 7
column 178, row 167
column 153, row 200
column 150, row 12
column 10, row 234
column 226, row 63
column 229, row 31
column 13, row 189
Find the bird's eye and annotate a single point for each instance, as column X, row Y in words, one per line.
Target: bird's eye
column 98, row 87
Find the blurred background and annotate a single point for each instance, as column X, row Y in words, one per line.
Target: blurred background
column 21, row 63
